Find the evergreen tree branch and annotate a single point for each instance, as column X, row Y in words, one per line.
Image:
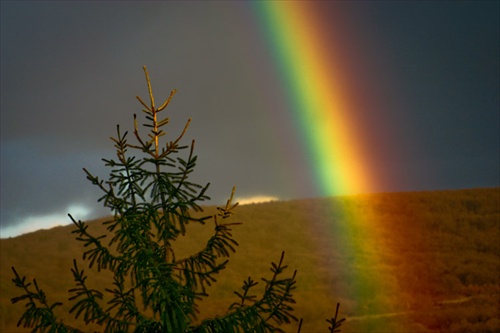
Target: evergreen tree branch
column 98, row 254
column 277, row 299
column 198, row 269
column 334, row 322
column 152, row 197
column 87, row 298
column 39, row 316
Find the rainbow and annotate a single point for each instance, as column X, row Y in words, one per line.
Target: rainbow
column 312, row 79
column 325, row 115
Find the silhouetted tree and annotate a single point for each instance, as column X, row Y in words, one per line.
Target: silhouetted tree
column 152, row 200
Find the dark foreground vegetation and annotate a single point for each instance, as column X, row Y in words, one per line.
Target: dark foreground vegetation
column 152, row 285
column 438, row 266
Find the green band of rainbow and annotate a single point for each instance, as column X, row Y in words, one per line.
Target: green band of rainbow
column 314, row 92
column 313, row 80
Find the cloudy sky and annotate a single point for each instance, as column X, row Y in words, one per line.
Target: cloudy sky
column 428, row 73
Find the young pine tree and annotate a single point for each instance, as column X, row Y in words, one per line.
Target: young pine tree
column 152, row 199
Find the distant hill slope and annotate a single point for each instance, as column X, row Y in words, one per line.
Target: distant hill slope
column 439, row 250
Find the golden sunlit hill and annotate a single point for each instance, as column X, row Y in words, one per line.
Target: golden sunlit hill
column 396, row 262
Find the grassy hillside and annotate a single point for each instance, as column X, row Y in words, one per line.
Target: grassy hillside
column 437, row 265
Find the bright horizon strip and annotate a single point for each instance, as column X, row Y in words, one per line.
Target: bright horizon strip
column 46, row 221
column 315, row 97
column 323, row 114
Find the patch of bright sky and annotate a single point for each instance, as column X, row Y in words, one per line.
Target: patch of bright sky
column 33, row 223
column 80, row 212
column 256, row 199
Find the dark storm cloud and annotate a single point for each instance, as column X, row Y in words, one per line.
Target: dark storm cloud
column 70, row 71
column 447, row 57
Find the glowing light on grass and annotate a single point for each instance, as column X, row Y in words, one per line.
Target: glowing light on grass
column 310, row 70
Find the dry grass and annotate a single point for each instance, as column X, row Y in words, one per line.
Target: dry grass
column 431, row 247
